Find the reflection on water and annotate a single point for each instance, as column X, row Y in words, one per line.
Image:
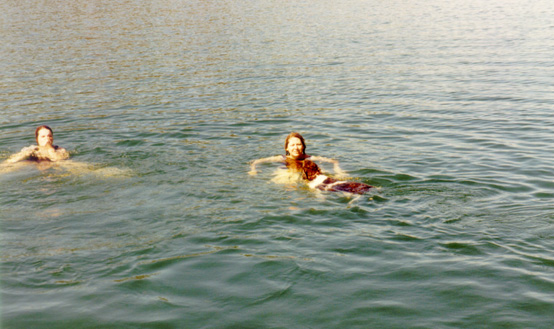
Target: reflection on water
column 286, row 177
column 64, row 168
column 155, row 222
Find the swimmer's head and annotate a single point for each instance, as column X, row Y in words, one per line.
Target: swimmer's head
column 44, row 135
column 295, row 146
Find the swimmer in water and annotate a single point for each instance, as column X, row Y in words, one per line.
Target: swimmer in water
column 298, row 161
column 46, row 155
column 45, row 150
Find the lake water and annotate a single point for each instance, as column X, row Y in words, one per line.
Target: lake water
column 446, row 105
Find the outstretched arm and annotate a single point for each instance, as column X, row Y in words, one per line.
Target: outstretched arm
column 253, row 171
column 336, row 168
column 25, row 153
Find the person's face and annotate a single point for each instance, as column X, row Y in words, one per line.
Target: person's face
column 45, row 137
column 295, row 147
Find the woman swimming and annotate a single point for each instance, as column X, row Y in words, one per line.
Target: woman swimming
column 46, row 155
column 43, row 151
column 298, row 161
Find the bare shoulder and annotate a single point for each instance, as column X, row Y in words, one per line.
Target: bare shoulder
column 29, row 148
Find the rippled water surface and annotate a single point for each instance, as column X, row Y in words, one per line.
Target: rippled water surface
column 155, row 222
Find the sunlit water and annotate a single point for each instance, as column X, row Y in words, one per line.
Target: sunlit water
column 155, row 222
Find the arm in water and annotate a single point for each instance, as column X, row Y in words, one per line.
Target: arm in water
column 277, row 158
column 336, row 168
column 24, row 154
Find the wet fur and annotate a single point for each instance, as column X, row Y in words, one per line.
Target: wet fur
column 310, row 171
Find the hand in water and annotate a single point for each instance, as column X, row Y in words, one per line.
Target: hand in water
column 48, row 152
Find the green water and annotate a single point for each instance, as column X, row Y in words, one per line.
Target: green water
column 445, row 105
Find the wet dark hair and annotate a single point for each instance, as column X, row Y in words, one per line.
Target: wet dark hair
column 297, row 135
column 307, row 168
column 310, row 170
column 42, row 127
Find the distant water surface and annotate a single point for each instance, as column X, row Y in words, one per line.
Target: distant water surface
column 445, row 105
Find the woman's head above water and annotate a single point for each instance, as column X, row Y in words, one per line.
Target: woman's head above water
column 44, row 136
column 295, row 146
